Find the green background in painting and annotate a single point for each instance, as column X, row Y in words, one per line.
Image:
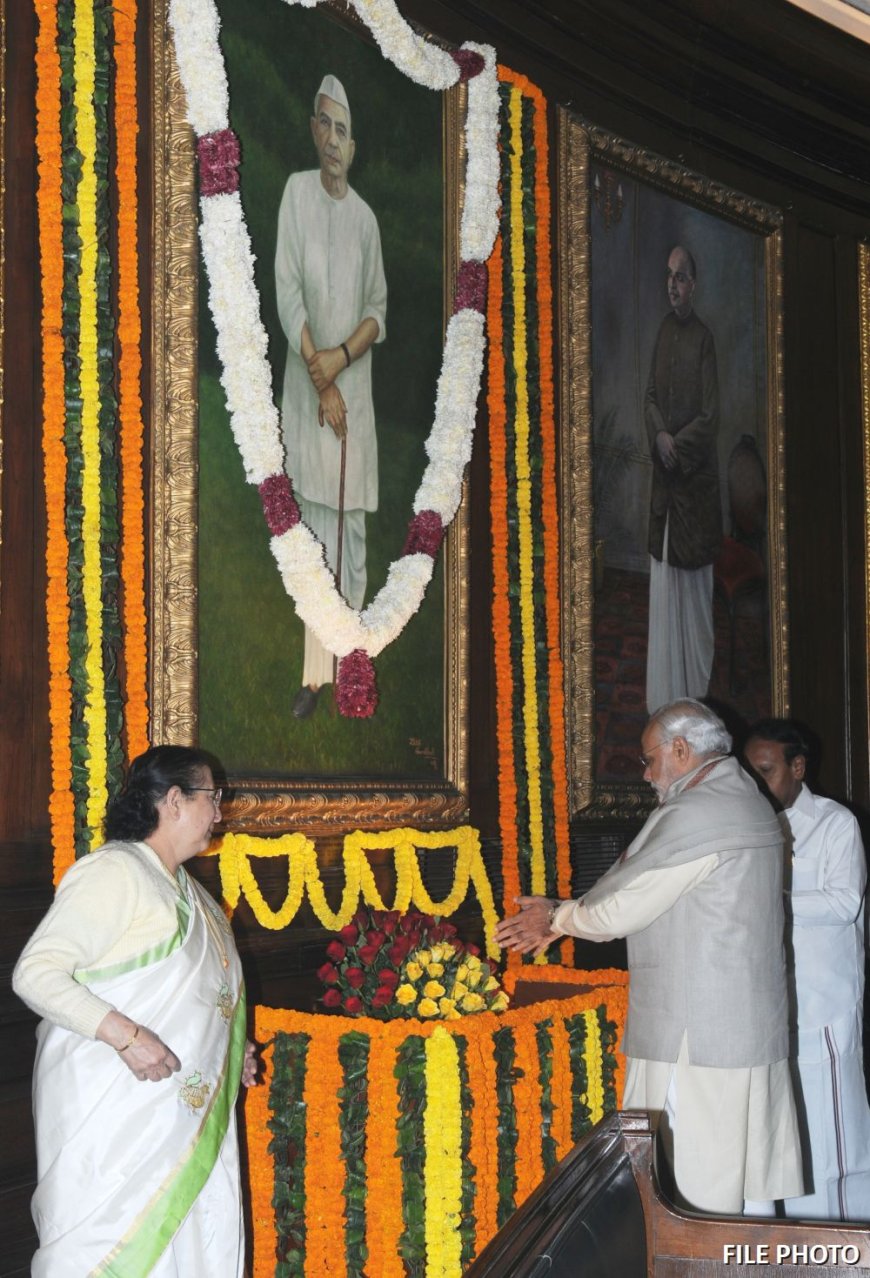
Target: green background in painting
column 250, row 640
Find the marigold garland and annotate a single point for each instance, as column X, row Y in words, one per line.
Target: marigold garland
column 507, row 786
column 49, row 205
column 324, row 1203
column 527, row 1098
column 522, row 428
column 95, row 698
column 550, row 502
column 483, row 1152
column 520, row 1094
column 593, row 1055
column 538, row 690
column 442, row 1129
column 385, row 1225
column 261, row 1171
column 129, row 378
column 561, row 1088
column 237, row 876
column 612, row 980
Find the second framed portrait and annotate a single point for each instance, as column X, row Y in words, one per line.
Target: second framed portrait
column 350, row 187
column 672, row 454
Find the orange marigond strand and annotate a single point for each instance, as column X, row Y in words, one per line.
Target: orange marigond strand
column 50, row 204
column 129, row 377
column 261, row 1167
column 483, row 1152
column 561, row 1087
column 384, row 1222
column 527, row 1101
column 324, row 1166
column 500, row 606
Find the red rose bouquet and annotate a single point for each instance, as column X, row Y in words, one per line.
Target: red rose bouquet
column 385, row 964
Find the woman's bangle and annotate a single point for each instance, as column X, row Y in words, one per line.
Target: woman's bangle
column 130, row 1041
column 346, row 353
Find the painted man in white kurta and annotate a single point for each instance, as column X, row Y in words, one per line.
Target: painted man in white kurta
column 332, row 300
column 825, row 902
column 698, row 894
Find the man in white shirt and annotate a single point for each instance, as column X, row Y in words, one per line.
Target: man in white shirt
column 332, row 301
column 826, row 904
column 698, row 894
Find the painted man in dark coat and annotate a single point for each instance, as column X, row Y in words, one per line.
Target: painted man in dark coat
column 681, row 411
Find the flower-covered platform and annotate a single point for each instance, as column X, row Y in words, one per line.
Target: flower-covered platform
column 385, row 1148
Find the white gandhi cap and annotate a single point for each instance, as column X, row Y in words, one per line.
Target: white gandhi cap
column 332, row 87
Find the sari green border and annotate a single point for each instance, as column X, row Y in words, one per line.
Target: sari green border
column 87, row 976
column 136, row 1255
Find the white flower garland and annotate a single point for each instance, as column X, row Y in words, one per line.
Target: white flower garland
column 242, row 343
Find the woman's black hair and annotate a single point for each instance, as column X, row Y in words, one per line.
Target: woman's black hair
column 133, row 813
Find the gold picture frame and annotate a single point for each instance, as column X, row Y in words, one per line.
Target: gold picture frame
column 269, row 804
column 603, row 178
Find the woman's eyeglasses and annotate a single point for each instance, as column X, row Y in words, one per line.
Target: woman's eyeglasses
column 215, row 791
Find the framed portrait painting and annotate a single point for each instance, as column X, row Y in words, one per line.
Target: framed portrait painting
column 231, row 665
column 672, row 455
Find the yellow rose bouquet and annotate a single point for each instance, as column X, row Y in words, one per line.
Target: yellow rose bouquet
column 390, row 965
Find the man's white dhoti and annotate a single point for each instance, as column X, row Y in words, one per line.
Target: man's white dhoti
column 835, row 1123
column 137, row 1178
column 728, row 1134
column 680, row 639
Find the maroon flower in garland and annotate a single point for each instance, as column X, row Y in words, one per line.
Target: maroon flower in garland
column 366, row 959
column 356, row 691
column 218, row 156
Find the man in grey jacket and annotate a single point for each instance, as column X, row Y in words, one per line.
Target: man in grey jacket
column 698, row 894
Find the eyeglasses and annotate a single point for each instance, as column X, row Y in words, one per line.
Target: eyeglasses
column 645, row 759
column 215, row 791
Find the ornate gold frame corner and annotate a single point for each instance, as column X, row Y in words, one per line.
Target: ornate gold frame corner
column 321, row 806
column 579, row 143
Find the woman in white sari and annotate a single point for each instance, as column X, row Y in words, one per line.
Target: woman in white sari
column 142, row 1046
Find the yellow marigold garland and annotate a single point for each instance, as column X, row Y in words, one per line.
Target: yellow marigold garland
column 593, row 1057
column 237, row 876
column 524, row 504
column 442, row 1175
column 129, row 375
column 50, row 204
column 92, row 581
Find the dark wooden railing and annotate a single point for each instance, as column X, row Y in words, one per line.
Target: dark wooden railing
column 602, row 1214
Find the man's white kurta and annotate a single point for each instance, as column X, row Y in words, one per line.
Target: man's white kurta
column 329, row 273
column 732, row 1129
column 827, row 976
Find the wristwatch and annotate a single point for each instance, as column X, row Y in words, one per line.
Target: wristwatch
column 554, row 905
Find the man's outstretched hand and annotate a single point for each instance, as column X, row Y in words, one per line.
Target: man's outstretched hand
column 529, row 931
